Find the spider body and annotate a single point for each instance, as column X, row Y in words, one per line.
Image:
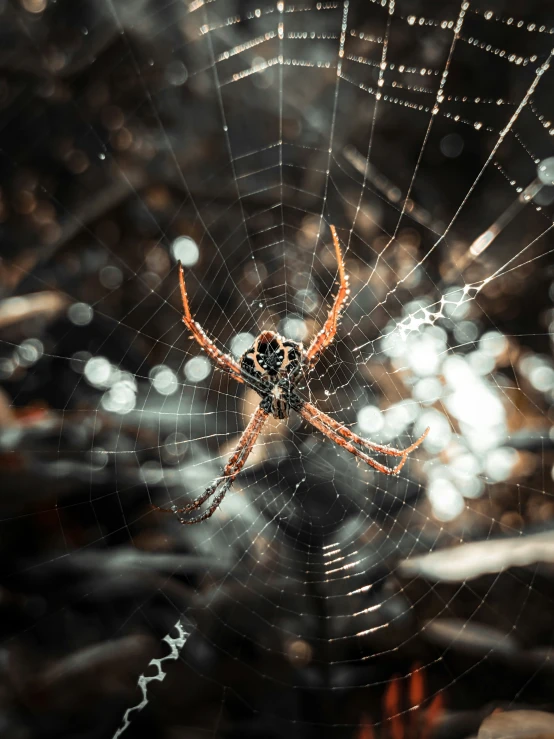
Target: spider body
column 272, row 367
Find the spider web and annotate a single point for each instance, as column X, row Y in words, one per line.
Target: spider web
column 322, row 598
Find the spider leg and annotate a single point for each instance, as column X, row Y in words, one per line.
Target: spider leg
column 351, row 436
column 325, row 337
column 222, row 484
column 315, row 421
column 347, row 439
column 224, row 361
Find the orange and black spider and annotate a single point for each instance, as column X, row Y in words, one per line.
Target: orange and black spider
column 273, row 367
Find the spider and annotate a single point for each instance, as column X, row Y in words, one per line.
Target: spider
column 272, row 367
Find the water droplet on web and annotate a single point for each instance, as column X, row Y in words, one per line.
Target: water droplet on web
column 241, row 342
column 294, row 328
column 451, row 145
column 370, row 419
column 176, row 73
column 545, row 171
column 34, row 6
column 164, row 379
column 80, row 314
column 111, row 277
column 185, row 250
column 197, row 369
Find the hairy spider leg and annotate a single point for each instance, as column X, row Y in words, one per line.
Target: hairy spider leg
column 351, row 436
column 335, row 431
column 224, row 361
column 222, row 484
column 346, row 438
column 327, row 334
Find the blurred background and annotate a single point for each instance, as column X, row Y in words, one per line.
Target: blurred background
column 322, row 599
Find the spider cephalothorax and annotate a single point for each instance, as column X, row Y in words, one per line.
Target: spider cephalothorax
column 272, row 367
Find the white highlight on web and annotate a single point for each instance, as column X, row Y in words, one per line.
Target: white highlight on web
column 175, row 645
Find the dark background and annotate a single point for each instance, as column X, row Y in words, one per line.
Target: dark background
column 112, row 146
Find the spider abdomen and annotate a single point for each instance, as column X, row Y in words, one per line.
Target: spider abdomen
column 279, row 403
column 272, row 366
